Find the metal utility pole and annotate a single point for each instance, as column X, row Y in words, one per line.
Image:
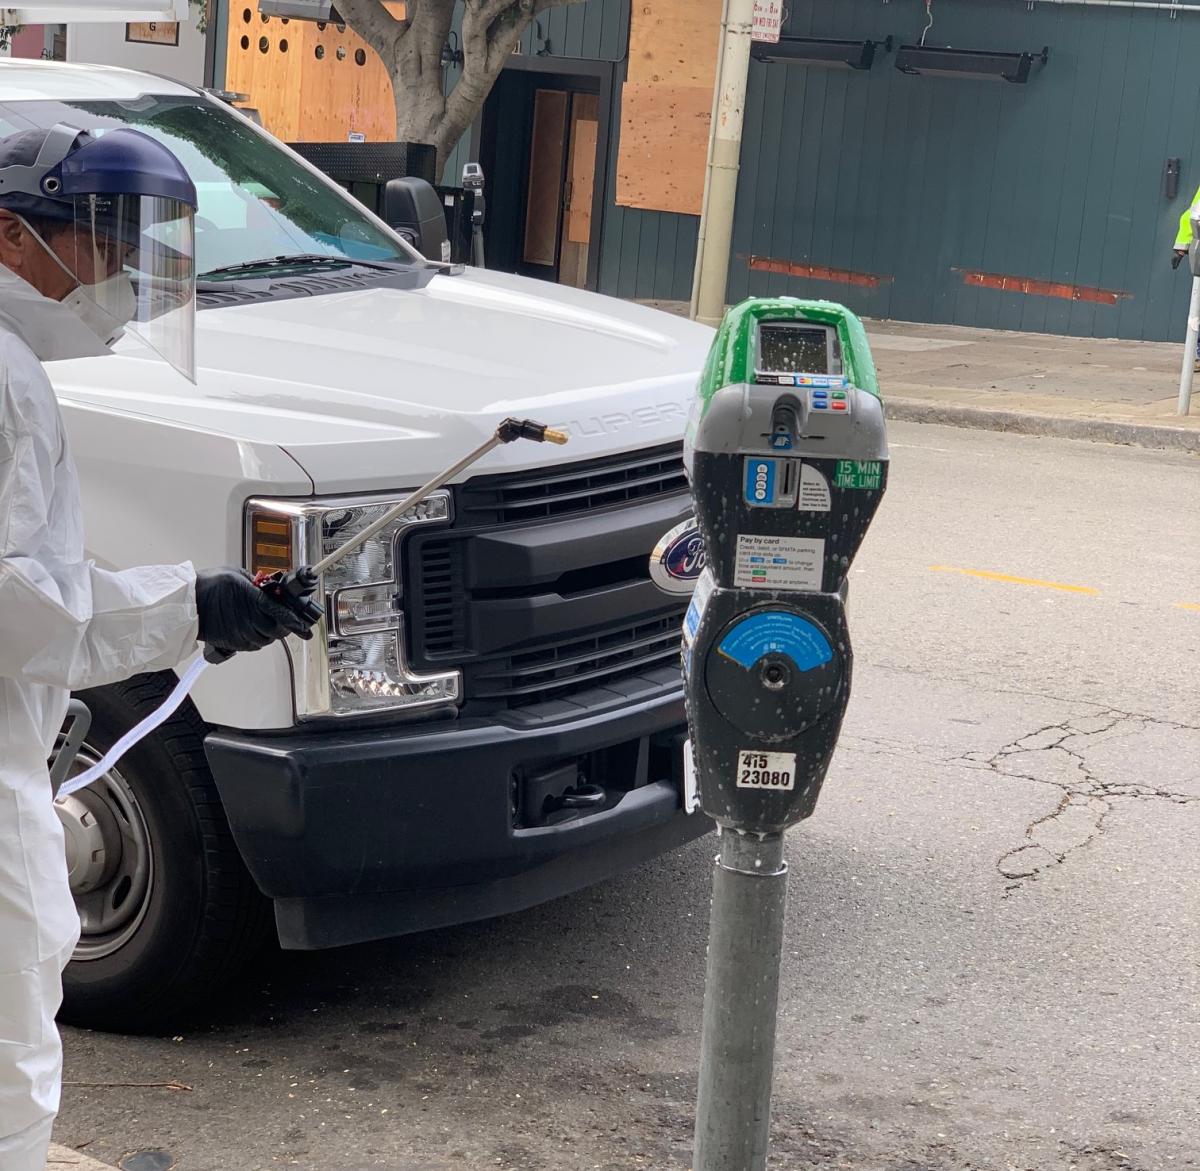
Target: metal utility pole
column 741, row 1003
column 1188, row 370
column 724, row 154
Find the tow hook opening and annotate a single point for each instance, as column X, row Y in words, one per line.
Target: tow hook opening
column 558, row 794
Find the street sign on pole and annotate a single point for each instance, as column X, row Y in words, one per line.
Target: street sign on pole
column 768, row 19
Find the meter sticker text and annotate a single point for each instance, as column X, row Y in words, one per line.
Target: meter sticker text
column 779, row 563
column 814, row 491
column 859, row 473
column 766, row 770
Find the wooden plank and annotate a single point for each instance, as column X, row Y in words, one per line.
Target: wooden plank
column 664, row 145
column 582, row 167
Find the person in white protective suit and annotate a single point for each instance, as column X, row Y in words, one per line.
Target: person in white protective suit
column 95, row 238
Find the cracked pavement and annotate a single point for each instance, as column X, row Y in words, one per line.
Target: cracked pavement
column 992, row 957
column 1058, row 755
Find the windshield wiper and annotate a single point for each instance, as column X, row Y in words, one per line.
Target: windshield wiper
column 298, row 260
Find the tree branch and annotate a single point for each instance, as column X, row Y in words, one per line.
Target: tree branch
column 491, row 30
column 377, row 26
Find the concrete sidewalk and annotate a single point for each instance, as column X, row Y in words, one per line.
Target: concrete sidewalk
column 65, row 1159
column 1081, row 388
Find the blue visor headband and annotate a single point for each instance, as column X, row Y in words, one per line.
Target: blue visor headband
column 121, row 162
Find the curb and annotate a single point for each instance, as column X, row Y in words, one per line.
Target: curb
column 64, row 1159
column 911, row 410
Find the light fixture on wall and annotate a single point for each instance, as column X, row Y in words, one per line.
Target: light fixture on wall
column 984, row 64
column 451, row 53
column 820, row 51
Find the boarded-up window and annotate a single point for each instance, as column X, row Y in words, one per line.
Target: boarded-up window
column 666, row 104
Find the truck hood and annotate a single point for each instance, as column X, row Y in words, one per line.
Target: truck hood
column 378, row 389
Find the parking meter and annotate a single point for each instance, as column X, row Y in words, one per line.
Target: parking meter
column 472, row 181
column 786, row 453
column 787, row 456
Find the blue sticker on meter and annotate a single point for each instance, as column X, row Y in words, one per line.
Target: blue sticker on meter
column 760, row 481
column 777, row 632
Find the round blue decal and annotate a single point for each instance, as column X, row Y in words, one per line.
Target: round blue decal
column 777, row 632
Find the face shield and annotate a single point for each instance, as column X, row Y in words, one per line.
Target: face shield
column 116, row 212
column 133, row 257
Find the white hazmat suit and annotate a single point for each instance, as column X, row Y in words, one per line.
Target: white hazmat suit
column 64, row 624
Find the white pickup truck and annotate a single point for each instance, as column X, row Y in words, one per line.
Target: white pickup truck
column 491, row 714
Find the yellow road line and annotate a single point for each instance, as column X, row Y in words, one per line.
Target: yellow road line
column 1027, row 581
column 1187, row 606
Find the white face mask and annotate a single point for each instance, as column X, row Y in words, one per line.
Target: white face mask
column 105, row 308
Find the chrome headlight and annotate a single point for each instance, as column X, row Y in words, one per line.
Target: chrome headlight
column 356, row 664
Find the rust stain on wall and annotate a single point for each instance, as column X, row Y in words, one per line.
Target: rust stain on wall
column 1035, row 288
column 817, row 272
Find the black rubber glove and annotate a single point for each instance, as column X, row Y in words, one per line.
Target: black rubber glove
column 1177, row 258
column 235, row 615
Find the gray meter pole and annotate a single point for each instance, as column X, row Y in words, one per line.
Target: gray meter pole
column 1188, row 368
column 786, row 453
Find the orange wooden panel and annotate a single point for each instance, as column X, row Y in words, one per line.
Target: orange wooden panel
column 310, row 83
column 585, row 115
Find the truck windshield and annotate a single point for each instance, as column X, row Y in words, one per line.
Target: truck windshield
column 256, row 203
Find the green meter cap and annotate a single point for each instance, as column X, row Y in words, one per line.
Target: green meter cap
column 786, row 340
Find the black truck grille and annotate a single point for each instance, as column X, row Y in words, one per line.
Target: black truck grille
column 540, row 590
column 566, row 668
column 441, row 599
column 574, row 489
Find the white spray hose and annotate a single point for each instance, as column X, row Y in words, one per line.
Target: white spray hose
column 507, row 432
column 157, row 717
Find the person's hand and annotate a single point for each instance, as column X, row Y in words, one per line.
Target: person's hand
column 1177, row 259
column 235, row 615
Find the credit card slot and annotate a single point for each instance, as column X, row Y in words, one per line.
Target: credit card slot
column 789, row 479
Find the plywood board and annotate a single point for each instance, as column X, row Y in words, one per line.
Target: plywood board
column 666, row 104
column 674, row 42
column 310, row 84
column 664, row 147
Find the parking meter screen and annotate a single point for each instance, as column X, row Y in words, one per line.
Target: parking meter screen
column 793, row 349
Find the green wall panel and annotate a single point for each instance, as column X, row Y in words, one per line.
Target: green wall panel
column 596, row 30
column 919, row 179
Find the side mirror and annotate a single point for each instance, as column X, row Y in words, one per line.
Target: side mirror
column 414, row 209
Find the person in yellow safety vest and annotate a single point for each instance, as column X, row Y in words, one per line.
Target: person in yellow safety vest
column 1183, row 242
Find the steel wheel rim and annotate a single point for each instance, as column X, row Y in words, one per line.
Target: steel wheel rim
column 111, row 914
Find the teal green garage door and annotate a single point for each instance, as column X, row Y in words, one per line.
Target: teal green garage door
column 1044, row 206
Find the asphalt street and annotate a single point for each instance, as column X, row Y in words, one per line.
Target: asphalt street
column 991, row 960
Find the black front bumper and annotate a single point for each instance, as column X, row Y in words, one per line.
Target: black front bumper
column 362, row 835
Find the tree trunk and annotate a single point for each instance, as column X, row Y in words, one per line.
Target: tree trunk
column 412, row 52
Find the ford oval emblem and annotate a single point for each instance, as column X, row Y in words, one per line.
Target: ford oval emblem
column 678, row 559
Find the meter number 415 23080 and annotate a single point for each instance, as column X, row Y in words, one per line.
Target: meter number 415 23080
column 766, row 770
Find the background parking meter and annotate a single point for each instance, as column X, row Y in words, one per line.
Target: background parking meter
column 787, row 456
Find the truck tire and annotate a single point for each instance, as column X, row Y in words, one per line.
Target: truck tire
column 169, row 915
